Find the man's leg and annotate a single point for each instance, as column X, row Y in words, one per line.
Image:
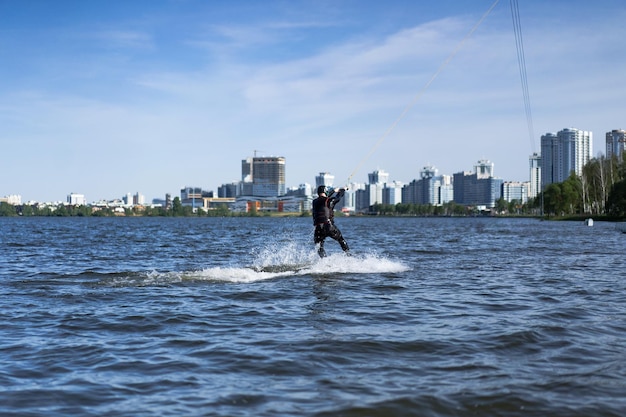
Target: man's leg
column 321, row 251
column 319, row 237
column 336, row 234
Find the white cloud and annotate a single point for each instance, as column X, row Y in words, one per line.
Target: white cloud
column 159, row 124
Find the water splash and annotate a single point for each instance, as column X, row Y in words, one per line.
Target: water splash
column 287, row 264
column 281, row 257
column 270, row 262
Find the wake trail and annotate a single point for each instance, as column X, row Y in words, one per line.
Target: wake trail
column 270, row 262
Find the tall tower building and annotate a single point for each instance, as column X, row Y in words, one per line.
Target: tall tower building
column 549, row 148
column 483, row 169
column 139, row 199
column 427, row 191
column 561, row 154
column 324, row 178
column 392, row 193
column 268, row 176
column 377, row 181
column 615, row 144
column 534, row 163
column 246, row 170
column 378, row 177
column 478, row 188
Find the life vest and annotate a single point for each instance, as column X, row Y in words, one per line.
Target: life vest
column 322, row 211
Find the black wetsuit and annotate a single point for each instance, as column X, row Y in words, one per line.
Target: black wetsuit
column 323, row 219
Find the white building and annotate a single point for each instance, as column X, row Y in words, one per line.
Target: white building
column 14, row 199
column 484, row 169
column 512, row 190
column 139, row 199
column 76, row 199
column 446, row 189
column 428, row 188
column 534, row 163
column 392, row 193
column 378, row 177
column 377, row 182
column 349, row 201
column 324, row 178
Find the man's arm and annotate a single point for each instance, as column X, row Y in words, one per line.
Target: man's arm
column 334, row 199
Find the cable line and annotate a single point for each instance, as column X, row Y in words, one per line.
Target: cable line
column 521, row 61
column 421, row 92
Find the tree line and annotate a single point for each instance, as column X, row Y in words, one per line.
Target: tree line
column 599, row 191
column 177, row 210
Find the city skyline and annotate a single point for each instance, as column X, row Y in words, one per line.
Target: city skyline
column 144, row 96
column 373, row 176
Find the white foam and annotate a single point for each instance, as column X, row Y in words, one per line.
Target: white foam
column 273, row 262
column 234, row 274
column 334, row 264
column 367, row 264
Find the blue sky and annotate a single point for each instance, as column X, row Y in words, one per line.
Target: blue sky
column 104, row 98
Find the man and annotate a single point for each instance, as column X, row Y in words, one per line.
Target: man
column 324, row 219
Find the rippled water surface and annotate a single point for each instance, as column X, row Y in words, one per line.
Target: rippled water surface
column 239, row 317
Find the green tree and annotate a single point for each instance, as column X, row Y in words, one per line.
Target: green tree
column 616, row 204
column 61, row 211
column 7, row 209
column 501, row 205
column 28, row 210
column 563, row 198
column 552, row 199
column 573, row 195
column 177, row 207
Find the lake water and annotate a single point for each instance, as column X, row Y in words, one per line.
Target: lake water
column 239, row 317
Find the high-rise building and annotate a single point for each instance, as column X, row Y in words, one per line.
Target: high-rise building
column 429, row 189
column 378, row 177
column 227, row 190
column 392, row 193
column 268, row 176
column 246, row 170
column 515, row 191
column 245, row 185
column 139, row 199
column 189, row 193
column 562, row 154
column 446, row 189
column 377, row 181
column 352, row 196
column 615, row 144
column 549, row 152
column 478, row 188
column 535, row 175
column 262, row 177
column 483, row 169
column 191, row 196
column 324, row 178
